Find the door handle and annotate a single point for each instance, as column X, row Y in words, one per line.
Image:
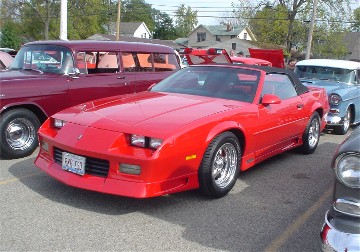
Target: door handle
column 300, row 106
column 121, row 77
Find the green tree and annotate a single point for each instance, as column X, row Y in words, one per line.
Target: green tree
column 85, row 18
column 10, row 35
column 164, row 28
column 355, row 26
column 328, row 41
column 185, row 20
column 326, row 9
column 35, row 12
column 137, row 11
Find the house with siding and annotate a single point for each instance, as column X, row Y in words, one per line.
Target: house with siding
column 204, row 35
column 129, row 29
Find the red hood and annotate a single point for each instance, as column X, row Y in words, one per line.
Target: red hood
column 275, row 56
column 144, row 113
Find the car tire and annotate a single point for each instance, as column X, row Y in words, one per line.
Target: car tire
column 18, row 133
column 343, row 129
column 311, row 135
column 219, row 167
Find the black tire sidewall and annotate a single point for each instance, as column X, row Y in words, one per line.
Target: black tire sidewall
column 5, row 150
column 206, row 182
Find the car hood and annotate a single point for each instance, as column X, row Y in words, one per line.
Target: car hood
column 146, row 112
column 330, row 86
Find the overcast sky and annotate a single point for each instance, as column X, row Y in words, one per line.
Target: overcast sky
column 209, row 11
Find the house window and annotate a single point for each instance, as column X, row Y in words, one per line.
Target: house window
column 218, row 38
column 245, row 35
column 233, row 46
column 201, row 36
column 232, row 36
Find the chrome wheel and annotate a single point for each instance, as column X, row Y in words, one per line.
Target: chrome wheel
column 314, row 133
column 346, row 123
column 224, row 165
column 20, row 134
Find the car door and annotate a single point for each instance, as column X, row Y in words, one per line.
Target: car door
column 100, row 77
column 280, row 124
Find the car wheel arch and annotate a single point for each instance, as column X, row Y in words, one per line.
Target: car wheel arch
column 34, row 108
column 230, row 126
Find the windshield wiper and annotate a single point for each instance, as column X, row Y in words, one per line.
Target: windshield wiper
column 33, row 69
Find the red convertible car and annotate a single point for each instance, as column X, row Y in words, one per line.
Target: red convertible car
column 198, row 128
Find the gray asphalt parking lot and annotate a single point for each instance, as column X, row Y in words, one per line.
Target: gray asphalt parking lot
column 279, row 205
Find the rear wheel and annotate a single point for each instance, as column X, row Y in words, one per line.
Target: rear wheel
column 219, row 168
column 18, row 133
column 343, row 129
column 311, row 136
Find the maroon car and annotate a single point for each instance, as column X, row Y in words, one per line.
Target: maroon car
column 48, row 76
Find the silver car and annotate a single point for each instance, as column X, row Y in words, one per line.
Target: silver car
column 341, row 230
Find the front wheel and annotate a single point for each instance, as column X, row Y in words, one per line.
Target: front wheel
column 18, row 133
column 343, row 129
column 219, row 167
column 311, row 135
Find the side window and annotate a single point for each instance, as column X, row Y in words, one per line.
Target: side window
column 279, row 85
column 136, row 62
column 107, row 62
column 97, row 62
column 164, row 62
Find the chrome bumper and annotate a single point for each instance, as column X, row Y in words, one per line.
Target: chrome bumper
column 334, row 120
column 336, row 240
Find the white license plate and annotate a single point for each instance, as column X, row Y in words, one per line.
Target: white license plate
column 73, row 163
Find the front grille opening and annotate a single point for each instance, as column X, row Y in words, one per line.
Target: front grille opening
column 93, row 166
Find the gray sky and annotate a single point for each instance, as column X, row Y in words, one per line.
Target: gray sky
column 209, row 11
column 209, row 8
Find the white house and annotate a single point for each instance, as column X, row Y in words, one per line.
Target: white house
column 207, row 34
column 129, row 29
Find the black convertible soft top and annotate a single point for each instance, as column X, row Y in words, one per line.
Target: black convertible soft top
column 300, row 88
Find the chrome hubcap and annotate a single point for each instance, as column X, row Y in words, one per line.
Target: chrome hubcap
column 224, row 165
column 20, row 134
column 314, row 133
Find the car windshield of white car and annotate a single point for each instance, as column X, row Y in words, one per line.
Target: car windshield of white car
column 326, row 73
column 213, row 81
column 44, row 59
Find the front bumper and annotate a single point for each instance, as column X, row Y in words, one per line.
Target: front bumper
column 333, row 239
column 334, row 120
column 120, row 187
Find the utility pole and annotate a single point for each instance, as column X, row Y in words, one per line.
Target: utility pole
column 63, row 20
column 311, row 30
column 118, row 22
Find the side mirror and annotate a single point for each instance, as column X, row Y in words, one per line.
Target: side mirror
column 75, row 73
column 268, row 99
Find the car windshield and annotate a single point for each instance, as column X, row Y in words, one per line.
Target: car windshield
column 44, row 59
column 326, row 73
column 213, row 81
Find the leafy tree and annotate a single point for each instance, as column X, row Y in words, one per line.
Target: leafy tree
column 164, row 28
column 355, row 26
column 325, row 8
column 137, row 11
column 85, row 18
column 10, row 36
column 35, row 12
column 328, row 41
column 185, row 20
